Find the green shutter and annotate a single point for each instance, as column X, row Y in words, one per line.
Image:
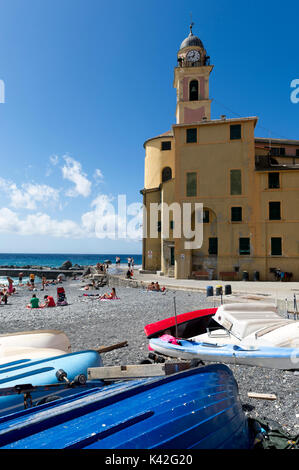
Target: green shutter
column 191, row 184
column 235, row 182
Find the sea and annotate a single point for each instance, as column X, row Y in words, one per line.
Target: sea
column 55, row 260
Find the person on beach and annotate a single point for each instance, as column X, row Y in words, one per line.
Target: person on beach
column 157, row 287
column 49, row 301
column 32, row 278
column 129, row 274
column 3, row 296
column 11, row 288
column 44, row 282
column 110, row 296
column 151, row 286
column 129, row 263
column 20, row 279
column 34, row 302
column 117, row 261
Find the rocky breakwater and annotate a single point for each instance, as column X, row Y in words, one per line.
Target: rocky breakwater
column 67, row 269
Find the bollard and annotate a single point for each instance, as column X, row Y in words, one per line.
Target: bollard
column 210, row 291
column 227, row 289
column 219, row 290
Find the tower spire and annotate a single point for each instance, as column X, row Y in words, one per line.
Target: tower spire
column 191, row 23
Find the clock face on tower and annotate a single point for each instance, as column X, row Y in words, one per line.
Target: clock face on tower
column 193, row 56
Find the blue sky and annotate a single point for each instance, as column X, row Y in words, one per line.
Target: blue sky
column 87, row 82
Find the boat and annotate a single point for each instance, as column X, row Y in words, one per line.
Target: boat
column 55, row 339
column 42, row 372
column 183, row 325
column 13, row 355
column 259, row 323
column 197, row 408
column 242, row 354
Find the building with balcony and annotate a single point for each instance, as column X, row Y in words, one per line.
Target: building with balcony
column 249, row 188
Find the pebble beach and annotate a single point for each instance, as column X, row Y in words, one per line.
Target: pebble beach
column 90, row 323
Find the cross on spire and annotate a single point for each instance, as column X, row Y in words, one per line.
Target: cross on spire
column 191, row 23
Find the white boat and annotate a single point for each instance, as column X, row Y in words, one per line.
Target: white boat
column 17, row 355
column 242, row 354
column 259, row 323
column 34, row 344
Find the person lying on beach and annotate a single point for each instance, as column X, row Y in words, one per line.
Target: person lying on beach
column 49, row 301
column 109, row 296
column 151, row 286
column 157, row 287
column 34, row 302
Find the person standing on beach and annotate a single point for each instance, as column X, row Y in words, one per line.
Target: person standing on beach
column 32, row 277
column 20, row 278
column 44, row 282
column 11, row 289
column 129, row 262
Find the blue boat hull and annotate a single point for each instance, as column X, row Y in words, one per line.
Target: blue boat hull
column 43, row 372
column 197, row 408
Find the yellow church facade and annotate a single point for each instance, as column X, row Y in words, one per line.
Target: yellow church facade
column 248, row 186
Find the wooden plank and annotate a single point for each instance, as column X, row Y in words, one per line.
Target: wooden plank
column 103, row 349
column 136, row 371
column 262, row 396
column 123, row 372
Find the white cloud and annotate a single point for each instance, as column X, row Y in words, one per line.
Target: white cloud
column 29, row 194
column 98, row 174
column 38, row 224
column 72, row 171
column 54, row 159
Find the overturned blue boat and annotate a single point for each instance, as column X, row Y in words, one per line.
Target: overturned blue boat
column 42, row 378
column 198, row 408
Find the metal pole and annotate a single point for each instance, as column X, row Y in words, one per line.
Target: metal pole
column 176, row 322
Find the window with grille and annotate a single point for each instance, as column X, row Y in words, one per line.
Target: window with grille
column 166, row 145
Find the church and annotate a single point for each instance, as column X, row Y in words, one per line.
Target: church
column 248, row 186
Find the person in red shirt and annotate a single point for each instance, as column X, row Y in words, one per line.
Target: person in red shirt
column 49, row 301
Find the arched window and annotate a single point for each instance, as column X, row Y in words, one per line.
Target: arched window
column 193, row 90
column 166, row 174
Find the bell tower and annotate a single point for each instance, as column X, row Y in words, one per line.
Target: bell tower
column 191, row 80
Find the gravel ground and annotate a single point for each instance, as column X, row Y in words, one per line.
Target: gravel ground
column 91, row 323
